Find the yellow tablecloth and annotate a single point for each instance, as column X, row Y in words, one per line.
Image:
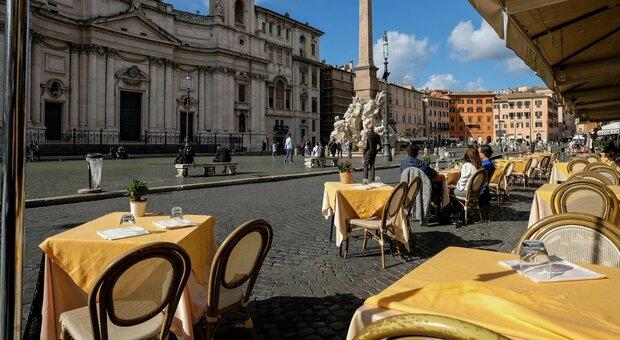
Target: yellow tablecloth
column 541, row 204
column 452, row 176
column 519, row 163
column 559, row 173
column 469, row 284
column 347, row 201
column 76, row 257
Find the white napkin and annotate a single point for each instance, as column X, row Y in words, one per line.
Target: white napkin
column 119, row 233
column 174, row 223
column 561, row 270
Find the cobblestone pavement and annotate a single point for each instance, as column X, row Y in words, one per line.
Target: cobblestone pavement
column 305, row 290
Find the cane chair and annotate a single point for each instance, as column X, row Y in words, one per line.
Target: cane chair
column 413, row 326
column 237, row 262
column 591, row 158
column 577, row 237
column 509, row 169
column 412, row 193
column 134, row 298
column 612, row 175
column 554, row 158
column 589, row 175
column 544, row 167
column 473, row 192
column 594, row 165
column 577, row 165
column 524, row 174
column 496, row 184
column 585, row 196
column 378, row 229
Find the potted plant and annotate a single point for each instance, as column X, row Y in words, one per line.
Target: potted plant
column 346, row 172
column 136, row 191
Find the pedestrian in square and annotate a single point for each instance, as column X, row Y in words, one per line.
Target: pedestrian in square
column 288, row 148
column 371, row 147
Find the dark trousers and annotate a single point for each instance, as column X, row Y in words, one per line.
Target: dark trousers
column 369, row 165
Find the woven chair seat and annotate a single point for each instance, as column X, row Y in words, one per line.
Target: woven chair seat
column 493, row 185
column 368, row 224
column 78, row 323
column 229, row 297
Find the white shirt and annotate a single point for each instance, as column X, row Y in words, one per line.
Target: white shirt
column 467, row 170
column 315, row 151
column 288, row 144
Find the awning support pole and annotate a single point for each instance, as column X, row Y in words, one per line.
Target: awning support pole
column 14, row 166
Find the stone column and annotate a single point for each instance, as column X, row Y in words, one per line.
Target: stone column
column 230, row 113
column 169, row 97
column 92, row 89
column 201, row 100
column 161, row 85
column 366, row 84
column 152, row 123
column 74, row 100
column 210, row 101
column 82, row 87
column 35, row 102
column 219, row 99
column 110, row 104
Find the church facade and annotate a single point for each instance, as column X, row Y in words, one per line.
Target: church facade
column 117, row 71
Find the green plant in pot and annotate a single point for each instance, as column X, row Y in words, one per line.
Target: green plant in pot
column 136, row 191
column 346, row 172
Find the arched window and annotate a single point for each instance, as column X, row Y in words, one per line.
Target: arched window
column 280, row 94
column 242, row 122
column 302, row 46
column 279, row 30
column 239, row 12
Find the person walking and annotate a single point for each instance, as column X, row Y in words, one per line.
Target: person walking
column 349, row 147
column 263, row 148
column 339, row 148
column 332, row 147
column 307, row 149
column 371, row 147
column 288, row 148
column 274, row 149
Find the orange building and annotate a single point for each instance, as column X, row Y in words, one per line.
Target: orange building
column 471, row 115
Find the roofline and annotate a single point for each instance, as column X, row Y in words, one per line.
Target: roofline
column 316, row 30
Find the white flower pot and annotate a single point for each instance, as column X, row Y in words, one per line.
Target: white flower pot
column 138, row 208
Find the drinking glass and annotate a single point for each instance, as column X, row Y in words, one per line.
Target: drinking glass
column 128, row 218
column 365, row 181
column 176, row 212
column 533, row 258
column 377, row 179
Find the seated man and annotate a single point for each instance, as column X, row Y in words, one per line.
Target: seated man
column 485, row 153
column 222, row 155
column 413, row 161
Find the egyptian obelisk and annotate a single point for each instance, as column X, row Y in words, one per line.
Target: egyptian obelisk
column 366, row 83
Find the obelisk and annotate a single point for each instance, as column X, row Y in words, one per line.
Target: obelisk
column 366, row 83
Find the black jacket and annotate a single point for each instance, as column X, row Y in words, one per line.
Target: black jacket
column 222, row 155
column 373, row 144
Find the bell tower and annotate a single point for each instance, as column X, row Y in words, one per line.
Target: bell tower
column 235, row 13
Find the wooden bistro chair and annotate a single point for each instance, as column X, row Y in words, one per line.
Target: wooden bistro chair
column 544, row 168
column 377, row 229
column 594, row 165
column 577, row 237
column 414, row 326
column 507, row 175
column 473, row 192
column 496, row 184
column 134, row 298
column 590, row 175
column 585, row 196
column 612, row 175
column 577, row 165
column 591, row 158
column 237, row 262
column 412, row 192
column 523, row 176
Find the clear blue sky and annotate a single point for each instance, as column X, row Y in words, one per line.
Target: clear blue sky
column 435, row 44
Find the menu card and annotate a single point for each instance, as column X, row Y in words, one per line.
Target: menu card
column 369, row 186
column 561, row 270
column 174, row 223
column 118, row 233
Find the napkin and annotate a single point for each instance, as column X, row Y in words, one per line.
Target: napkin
column 119, row 233
column 561, row 270
column 174, row 223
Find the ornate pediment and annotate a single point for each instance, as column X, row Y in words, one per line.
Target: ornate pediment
column 133, row 76
column 135, row 24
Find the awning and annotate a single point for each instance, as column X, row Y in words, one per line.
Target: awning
column 609, row 129
column 572, row 45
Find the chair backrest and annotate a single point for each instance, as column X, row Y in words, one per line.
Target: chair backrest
column 612, row 175
column 138, row 286
column 475, row 184
column 554, row 157
column 238, row 261
column 593, row 176
column 412, row 192
column 585, row 196
column 591, row 166
column 577, row 238
column 394, row 203
column 406, row 326
column 530, row 166
column 577, row 165
column 509, row 168
column 544, row 163
column 591, row 158
column 498, row 176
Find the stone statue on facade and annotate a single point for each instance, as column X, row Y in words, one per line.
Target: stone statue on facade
column 219, row 8
column 358, row 117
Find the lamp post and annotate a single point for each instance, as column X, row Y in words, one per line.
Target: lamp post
column 188, row 105
column 387, row 154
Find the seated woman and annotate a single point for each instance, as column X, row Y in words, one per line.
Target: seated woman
column 222, row 155
column 472, row 163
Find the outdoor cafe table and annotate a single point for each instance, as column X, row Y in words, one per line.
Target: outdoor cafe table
column 346, row 201
column 541, row 204
column 75, row 258
column 559, row 173
column 471, row 285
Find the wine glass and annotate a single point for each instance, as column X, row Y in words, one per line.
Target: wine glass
column 365, row 181
column 128, row 218
column 534, row 259
column 377, row 179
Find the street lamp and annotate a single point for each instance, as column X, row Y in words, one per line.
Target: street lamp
column 188, row 105
column 387, row 154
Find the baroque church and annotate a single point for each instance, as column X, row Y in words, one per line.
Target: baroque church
column 120, row 71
